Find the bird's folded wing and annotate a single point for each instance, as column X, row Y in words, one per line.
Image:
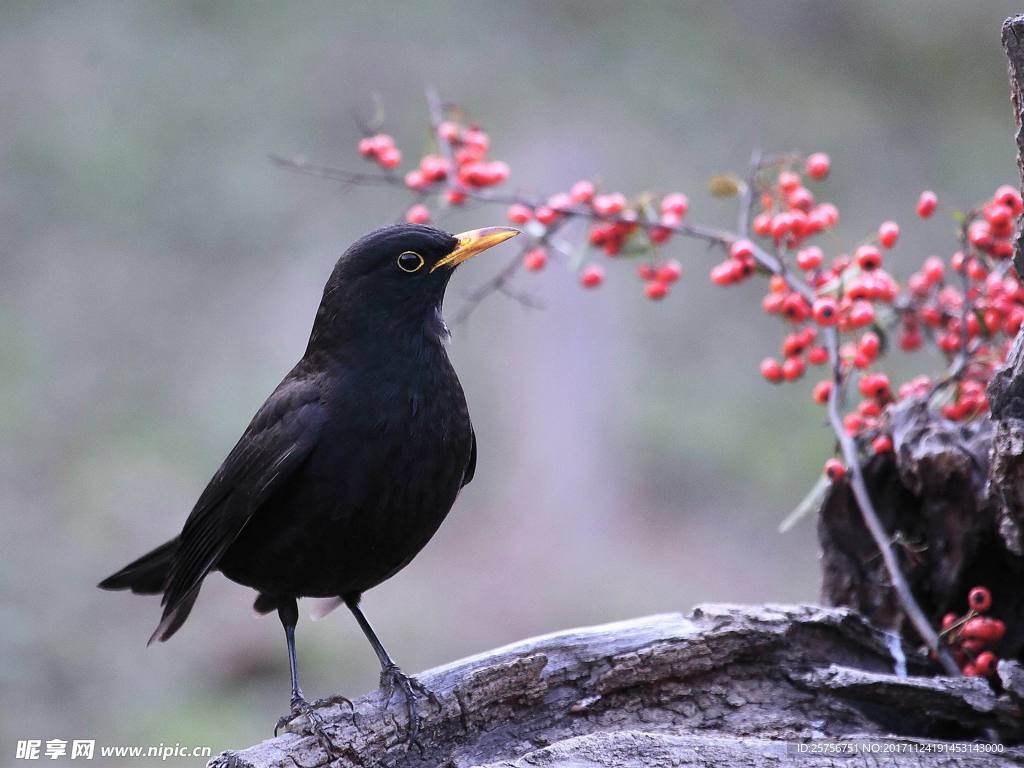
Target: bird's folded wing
column 276, row 443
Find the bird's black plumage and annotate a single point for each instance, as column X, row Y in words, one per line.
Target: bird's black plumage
column 352, row 463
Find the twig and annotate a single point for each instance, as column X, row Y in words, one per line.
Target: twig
column 871, row 520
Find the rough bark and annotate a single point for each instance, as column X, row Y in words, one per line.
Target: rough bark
column 1006, row 392
column 726, row 685
column 1013, row 46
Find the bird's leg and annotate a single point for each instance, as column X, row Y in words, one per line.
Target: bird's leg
column 288, row 611
column 391, row 676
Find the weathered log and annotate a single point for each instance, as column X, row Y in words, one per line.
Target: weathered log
column 727, row 685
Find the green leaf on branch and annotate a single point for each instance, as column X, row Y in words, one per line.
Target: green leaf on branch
column 811, row 503
column 725, row 185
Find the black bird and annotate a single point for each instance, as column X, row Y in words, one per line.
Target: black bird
column 351, row 465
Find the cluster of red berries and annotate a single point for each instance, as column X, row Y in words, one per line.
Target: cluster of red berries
column 855, row 295
column 468, row 147
column 970, row 298
column 469, row 167
column 974, row 634
column 614, row 221
column 789, row 212
column 381, row 149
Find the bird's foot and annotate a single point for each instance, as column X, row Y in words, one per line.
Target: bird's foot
column 302, row 708
column 391, row 677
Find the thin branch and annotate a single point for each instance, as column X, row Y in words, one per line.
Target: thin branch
column 873, row 523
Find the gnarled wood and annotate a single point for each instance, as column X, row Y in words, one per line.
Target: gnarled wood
column 727, row 684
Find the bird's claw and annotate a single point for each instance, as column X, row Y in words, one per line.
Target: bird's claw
column 391, row 677
column 336, row 699
column 302, row 708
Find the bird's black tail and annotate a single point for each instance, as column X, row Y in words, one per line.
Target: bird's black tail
column 148, row 574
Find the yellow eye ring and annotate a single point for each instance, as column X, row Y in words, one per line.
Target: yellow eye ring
column 410, row 261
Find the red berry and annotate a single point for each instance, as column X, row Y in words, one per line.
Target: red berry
column 821, row 392
column 771, row 369
column 742, row 249
column 434, row 167
column 519, row 213
column 792, row 368
column 389, row 157
column 1010, row 197
column 998, row 215
column 367, row 147
column 789, row 180
column 793, row 344
column 669, row 272
column 826, row 311
column 725, row 273
column 656, row 290
column 582, row 192
column 372, row 146
column 417, row 180
column 927, row 203
column 933, row 269
column 861, row 314
column 888, row 233
column 818, row 165
column 477, row 139
column 676, row 203
column 762, row 224
column 817, row 355
column 455, row 196
column 979, row 234
column 979, row 599
column 949, row 620
column 535, row 259
column 499, row 171
column 869, row 344
column 647, row 272
column 985, row 663
column 983, row 628
column 853, row 423
column 809, row 258
column 875, row 385
column 659, row 235
column 545, row 215
column 868, row 257
column 869, row 409
column 592, row 276
column 800, row 199
column 828, row 213
column 609, row 205
column 882, row 444
column 795, row 308
column 834, row 470
column 467, row 155
column 448, row 131
column 418, row 214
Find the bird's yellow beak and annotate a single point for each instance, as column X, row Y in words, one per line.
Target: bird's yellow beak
column 473, row 242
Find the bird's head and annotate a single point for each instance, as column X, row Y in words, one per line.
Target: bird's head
column 396, row 276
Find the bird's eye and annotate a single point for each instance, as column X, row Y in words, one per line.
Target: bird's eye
column 410, row 261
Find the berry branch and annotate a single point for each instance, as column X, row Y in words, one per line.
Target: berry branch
column 969, row 324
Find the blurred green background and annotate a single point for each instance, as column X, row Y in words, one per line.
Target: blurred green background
column 159, row 276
